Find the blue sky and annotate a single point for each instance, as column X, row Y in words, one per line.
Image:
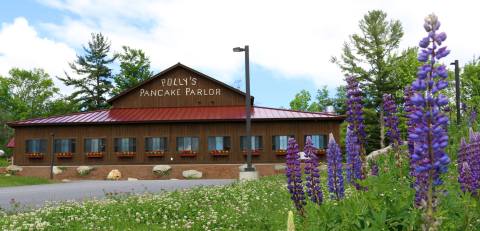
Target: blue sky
column 291, row 41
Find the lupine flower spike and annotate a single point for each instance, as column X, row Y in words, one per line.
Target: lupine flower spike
column 469, row 164
column 335, row 170
column 294, row 176
column 430, row 135
column 312, row 177
column 391, row 123
column 356, row 167
column 409, row 109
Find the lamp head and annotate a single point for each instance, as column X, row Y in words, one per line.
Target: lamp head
column 238, row 49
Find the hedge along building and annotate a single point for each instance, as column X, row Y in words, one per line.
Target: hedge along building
column 179, row 117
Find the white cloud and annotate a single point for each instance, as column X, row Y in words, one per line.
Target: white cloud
column 293, row 38
column 21, row 46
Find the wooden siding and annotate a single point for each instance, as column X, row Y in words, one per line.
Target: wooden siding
column 171, row 131
column 133, row 99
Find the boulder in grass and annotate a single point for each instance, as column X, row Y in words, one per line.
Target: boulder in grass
column 115, row 174
column 57, row 170
column 2, row 153
column 13, row 169
column 162, row 170
column 84, row 170
column 132, row 179
column 192, row 174
column 280, row 167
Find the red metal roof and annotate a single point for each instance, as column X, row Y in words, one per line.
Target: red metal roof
column 175, row 114
column 11, row 143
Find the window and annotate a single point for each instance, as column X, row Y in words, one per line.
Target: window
column 187, row 143
column 155, row 144
column 125, row 145
column 36, row 146
column 94, row 145
column 256, row 143
column 280, row 142
column 219, row 143
column 319, row 141
column 64, row 145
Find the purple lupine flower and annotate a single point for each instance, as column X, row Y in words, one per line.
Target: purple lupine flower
column 356, row 136
column 374, row 169
column 468, row 164
column 473, row 116
column 391, row 120
column 335, row 170
column 466, row 179
column 430, row 135
column 354, row 163
column 312, row 177
column 409, row 109
column 294, row 175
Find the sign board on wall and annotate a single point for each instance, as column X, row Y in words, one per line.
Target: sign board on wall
column 187, row 86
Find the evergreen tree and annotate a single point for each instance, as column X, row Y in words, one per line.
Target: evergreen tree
column 134, row 69
column 368, row 56
column 96, row 77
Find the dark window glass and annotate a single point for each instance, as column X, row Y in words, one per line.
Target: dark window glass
column 64, row 145
column 36, row 146
column 280, row 142
column 219, row 143
column 155, row 144
column 256, row 143
column 319, row 141
column 188, row 143
column 125, row 144
column 94, row 145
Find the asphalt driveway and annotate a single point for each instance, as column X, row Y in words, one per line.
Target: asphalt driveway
column 35, row 196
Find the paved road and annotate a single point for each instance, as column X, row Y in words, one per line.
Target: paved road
column 36, row 195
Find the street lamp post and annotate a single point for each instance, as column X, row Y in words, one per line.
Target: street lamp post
column 52, row 155
column 248, row 103
column 457, row 89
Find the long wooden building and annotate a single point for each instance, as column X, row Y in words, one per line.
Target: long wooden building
column 179, row 116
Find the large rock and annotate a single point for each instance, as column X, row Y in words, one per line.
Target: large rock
column 280, row 167
column 2, row 153
column 162, row 170
column 379, row 152
column 192, row 174
column 13, row 169
column 84, row 170
column 132, row 179
column 115, row 174
column 57, row 170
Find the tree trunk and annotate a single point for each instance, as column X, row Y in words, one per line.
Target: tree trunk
column 382, row 130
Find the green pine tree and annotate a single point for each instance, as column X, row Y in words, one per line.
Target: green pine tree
column 95, row 83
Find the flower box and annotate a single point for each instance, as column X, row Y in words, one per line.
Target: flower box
column 281, row 152
column 220, row 152
column 155, row 154
column 255, row 152
column 125, row 154
column 94, row 154
column 321, row 152
column 188, row 153
column 34, row 155
column 64, row 155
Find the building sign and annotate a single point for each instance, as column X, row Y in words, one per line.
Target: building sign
column 180, row 87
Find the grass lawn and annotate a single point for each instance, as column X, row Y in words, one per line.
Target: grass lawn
column 6, row 181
